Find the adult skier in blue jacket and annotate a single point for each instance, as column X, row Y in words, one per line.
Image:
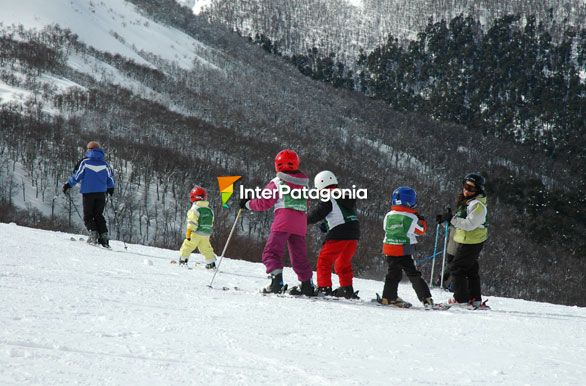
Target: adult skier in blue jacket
column 97, row 179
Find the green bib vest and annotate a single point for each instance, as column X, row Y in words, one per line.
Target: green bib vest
column 205, row 222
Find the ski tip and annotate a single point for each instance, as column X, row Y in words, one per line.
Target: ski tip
column 224, row 288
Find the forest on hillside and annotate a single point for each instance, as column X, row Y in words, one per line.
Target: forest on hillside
column 511, row 82
column 345, row 27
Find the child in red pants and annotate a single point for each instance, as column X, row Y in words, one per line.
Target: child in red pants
column 343, row 232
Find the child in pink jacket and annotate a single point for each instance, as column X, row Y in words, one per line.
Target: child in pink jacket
column 289, row 225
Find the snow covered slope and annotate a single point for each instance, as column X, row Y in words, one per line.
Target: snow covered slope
column 76, row 313
column 114, row 26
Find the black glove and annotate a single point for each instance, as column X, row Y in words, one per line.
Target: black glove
column 66, row 187
column 447, row 216
column 243, row 202
column 110, row 191
column 323, row 227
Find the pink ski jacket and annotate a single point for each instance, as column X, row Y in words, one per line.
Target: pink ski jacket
column 286, row 219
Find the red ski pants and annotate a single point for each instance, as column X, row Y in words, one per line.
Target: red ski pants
column 339, row 253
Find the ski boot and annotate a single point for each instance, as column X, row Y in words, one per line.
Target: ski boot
column 211, row 265
column 104, row 241
column 305, row 288
column 397, row 302
column 478, row 305
column 323, row 291
column 428, row 303
column 277, row 286
column 93, row 238
column 345, row 292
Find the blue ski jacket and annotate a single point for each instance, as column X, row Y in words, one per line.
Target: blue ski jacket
column 94, row 173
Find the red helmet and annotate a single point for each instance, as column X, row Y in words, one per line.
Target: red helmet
column 198, row 194
column 287, row 160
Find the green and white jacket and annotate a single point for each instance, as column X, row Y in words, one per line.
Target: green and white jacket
column 471, row 222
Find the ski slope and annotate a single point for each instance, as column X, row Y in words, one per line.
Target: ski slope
column 114, row 26
column 77, row 314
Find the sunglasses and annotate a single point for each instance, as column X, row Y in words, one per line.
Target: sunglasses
column 470, row 187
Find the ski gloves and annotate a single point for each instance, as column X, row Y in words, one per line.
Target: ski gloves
column 447, row 216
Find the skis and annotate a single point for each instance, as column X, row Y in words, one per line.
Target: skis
column 98, row 245
column 225, row 288
column 355, row 302
column 407, row 305
column 192, row 266
column 471, row 307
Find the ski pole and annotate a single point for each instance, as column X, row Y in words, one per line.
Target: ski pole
column 225, row 247
column 446, row 233
column 437, row 227
column 74, row 206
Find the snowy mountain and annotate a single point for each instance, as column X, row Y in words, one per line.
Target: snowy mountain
column 74, row 313
column 176, row 100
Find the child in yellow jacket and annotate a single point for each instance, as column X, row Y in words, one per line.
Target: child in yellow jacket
column 200, row 222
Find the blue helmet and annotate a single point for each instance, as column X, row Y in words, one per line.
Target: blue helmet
column 405, row 196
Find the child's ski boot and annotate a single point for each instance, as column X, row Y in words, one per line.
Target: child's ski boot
column 323, row 291
column 305, row 288
column 277, row 286
column 346, row 292
column 398, row 302
column 211, row 265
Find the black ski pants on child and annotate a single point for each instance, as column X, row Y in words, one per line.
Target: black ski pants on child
column 93, row 212
column 464, row 273
column 398, row 264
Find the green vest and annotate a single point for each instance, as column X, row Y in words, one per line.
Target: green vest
column 339, row 215
column 205, row 221
column 399, row 228
column 289, row 202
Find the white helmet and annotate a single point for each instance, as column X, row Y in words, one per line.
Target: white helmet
column 324, row 179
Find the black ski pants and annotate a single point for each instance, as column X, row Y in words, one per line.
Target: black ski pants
column 464, row 273
column 93, row 212
column 398, row 264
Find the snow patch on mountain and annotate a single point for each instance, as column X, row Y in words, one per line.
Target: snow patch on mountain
column 13, row 94
column 356, row 3
column 114, row 26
